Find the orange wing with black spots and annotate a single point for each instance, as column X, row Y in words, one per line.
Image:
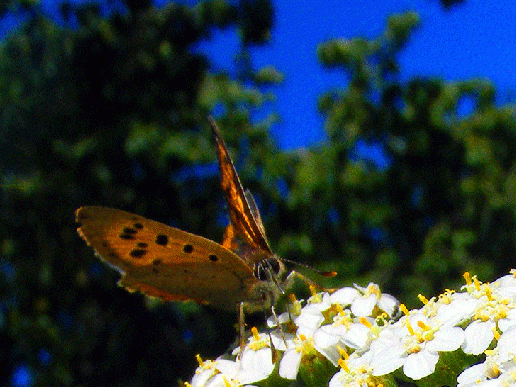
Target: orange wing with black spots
column 165, row 262
column 244, row 223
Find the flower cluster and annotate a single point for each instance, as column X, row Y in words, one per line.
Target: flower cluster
column 355, row 337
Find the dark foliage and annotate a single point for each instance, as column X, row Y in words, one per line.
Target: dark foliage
column 114, row 114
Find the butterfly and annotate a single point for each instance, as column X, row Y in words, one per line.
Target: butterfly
column 165, row 262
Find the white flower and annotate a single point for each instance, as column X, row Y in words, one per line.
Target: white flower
column 414, row 342
column 311, row 317
column 282, row 319
column 508, row 321
column 498, row 369
column 389, row 352
column 364, row 301
column 453, row 308
column 347, row 331
column 476, row 375
column 214, row 373
column 506, row 285
column 255, row 365
column 494, row 305
column 306, row 345
column 507, row 345
column 478, row 336
column 354, row 372
column 291, row 360
column 255, row 362
column 344, row 296
column 355, row 319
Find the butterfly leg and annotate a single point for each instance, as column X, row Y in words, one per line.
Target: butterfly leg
column 274, row 354
column 278, row 324
column 241, row 328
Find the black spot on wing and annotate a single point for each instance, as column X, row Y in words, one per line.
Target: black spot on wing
column 161, row 239
column 137, row 253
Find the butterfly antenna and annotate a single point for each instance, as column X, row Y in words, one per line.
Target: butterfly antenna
column 214, row 127
column 329, row 274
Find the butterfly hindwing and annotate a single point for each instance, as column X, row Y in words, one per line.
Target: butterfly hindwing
column 164, row 261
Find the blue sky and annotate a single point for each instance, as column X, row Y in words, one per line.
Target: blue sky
column 474, row 39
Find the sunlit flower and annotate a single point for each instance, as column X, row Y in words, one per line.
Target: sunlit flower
column 214, row 373
column 346, row 330
column 353, row 329
column 452, row 308
column 355, row 371
column 478, row 336
column 256, row 361
column 413, row 342
column 494, row 305
column 506, row 285
column 363, row 301
column 303, row 345
column 506, row 347
column 311, row 317
column 499, row 367
column 291, row 360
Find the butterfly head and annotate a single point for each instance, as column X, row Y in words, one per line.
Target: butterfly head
column 269, row 269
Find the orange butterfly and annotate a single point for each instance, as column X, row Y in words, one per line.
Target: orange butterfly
column 166, row 262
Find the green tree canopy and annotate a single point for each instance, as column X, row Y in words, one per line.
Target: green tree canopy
column 114, row 113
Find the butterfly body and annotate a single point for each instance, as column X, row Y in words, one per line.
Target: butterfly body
column 172, row 264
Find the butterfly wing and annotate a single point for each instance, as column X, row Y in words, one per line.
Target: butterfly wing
column 243, row 221
column 255, row 211
column 163, row 261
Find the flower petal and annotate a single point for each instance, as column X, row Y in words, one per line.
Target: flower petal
column 446, row 339
column 472, row 375
column 478, row 336
column 256, row 365
column 344, row 296
column 421, row 364
column 289, row 364
column 363, row 306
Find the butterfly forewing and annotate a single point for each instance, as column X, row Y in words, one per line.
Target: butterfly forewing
column 166, row 262
column 242, row 219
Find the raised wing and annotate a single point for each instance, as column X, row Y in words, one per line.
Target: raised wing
column 163, row 261
column 245, row 224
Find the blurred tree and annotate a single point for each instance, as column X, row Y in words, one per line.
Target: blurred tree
column 111, row 113
column 442, row 203
column 408, row 191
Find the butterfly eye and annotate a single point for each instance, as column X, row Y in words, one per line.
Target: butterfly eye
column 270, row 265
column 273, row 263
